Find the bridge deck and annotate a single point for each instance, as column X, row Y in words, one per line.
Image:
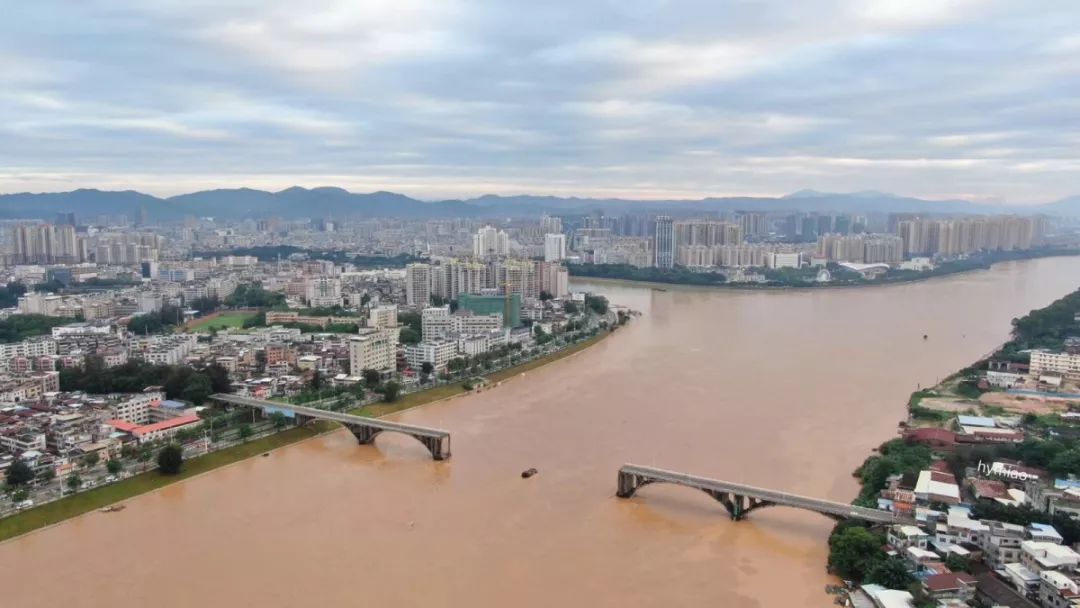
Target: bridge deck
column 773, row 496
column 386, row 425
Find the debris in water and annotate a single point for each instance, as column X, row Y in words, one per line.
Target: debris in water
column 527, row 473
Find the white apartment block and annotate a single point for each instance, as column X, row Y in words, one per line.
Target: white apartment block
column 554, row 247
column 381, row 317
column 1062, row 363
column 136, row 409
column 476, row 344
column 436, row 352
column 782, row 260
column 323, row 292
column 373, row 349
column 418, row 284
column 439, row 323
column 489, row 241
column 163, row 350
column 39, row 347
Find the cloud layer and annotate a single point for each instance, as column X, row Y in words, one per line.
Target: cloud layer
column 976, row 99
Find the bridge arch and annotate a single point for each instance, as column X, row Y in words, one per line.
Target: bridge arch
column 739, row 500
column 736, row 505
column 439, row 447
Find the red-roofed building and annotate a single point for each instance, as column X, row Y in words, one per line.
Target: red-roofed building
column 989, row 489
column 938, row 439
column 122, row 425
column 157, row 430
column 951, row 585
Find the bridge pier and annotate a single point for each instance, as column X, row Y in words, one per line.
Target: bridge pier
column 739, row 500
column 437, row 441
column 438, row 447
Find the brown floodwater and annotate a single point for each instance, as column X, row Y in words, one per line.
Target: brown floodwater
column 787, row 389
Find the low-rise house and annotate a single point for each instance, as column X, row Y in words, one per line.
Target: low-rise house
column 937, row 486
column 1058, row 590
column 903, row 537
column 950, row 586
column 1023, row 579
column 1042, row 556
column 1000, row 543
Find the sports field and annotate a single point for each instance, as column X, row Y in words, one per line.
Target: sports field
column 221, row 321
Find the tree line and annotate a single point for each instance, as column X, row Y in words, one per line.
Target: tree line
column 178, row 381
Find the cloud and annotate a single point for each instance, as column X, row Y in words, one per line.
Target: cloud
column 649, row 98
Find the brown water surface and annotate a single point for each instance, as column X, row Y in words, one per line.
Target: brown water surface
column 787, row 389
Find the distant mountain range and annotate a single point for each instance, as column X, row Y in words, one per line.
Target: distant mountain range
column 338, row 203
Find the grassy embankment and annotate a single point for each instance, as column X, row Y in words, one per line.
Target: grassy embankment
column 84, row 502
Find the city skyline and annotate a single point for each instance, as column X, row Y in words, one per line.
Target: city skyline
column 948, row 99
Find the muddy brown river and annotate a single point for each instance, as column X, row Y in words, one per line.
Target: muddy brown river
column 786, row 389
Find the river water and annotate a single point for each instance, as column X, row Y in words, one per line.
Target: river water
column 787, row 389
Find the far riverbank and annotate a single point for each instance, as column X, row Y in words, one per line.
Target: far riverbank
column 913, row 277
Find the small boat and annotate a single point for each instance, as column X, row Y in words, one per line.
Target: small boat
column 266, row 453
column 112, row 509
column 527, row 473
column 924, row 336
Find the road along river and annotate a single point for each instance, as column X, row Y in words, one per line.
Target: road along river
column 783, row 389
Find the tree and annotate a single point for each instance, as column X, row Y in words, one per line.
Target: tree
column 47, row 475
column 391, row 391
column 19, row 473
column 114, row 466
column 891, row 573
column 545, row 296
column 198, row 389
column 91, row 460
column 170, row 459
column 409, row 335
column 853, row 550
column 1066, row 463
column 570, row 308
column 279, row 420
column 219, row 378
column 20, row 495
column 74, row 482
column 316, row 380
column 957, row 563
column 597, row 304
column 245, row 432
column 371, row 377
column 426, row 368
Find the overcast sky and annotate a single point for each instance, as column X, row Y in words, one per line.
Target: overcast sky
column 633, row 98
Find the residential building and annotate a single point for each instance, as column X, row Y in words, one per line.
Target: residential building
column 665, row 242
column 418, row 284
column 491, row 242
column 324, row 292
column 383, row 316
column 554, row 247
column 438, row 352
column 373, row 349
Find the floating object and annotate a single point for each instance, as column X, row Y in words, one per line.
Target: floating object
column 527, row 473
column 266, row 453
column 924, row 336
column 113, row 509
